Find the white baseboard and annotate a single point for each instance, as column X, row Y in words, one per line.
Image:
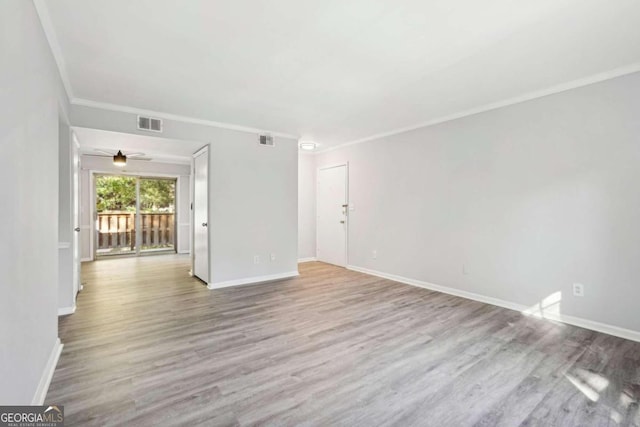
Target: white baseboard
column 605, row 328
column 308, row 259
column 47, row 374
column 253, row 280
column 86, row 259
column 571, row 320
column 63, row 311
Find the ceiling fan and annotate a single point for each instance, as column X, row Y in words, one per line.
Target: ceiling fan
column 120, row 159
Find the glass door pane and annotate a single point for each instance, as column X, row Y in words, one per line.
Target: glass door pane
column 157, row 214
column 115, row 215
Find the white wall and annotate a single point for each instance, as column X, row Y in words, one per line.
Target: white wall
column 306, row 205
column 527, row 199
column 253, row 195
column 30, row 97
column 141, row 167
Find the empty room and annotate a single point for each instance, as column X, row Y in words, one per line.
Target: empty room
column 319, row 213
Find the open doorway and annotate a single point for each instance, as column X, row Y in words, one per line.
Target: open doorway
column 134, row 215
column 152, row 214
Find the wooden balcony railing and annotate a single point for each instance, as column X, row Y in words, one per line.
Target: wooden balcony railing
column 116, row 230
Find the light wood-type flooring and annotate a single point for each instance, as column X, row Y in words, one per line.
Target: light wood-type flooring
column 150, row 346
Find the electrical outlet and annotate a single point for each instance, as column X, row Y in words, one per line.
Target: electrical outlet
column 374, row 254
column 578, row 290
column 256, row 259
column 273, row 257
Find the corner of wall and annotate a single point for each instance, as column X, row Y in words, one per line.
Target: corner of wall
column 47, row 374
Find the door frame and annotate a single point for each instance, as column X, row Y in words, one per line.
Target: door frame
column 204, row 149
column 92, row 205
column 346, row 195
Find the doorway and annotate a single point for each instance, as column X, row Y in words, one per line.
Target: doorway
column 332, row 212
column 134, row 215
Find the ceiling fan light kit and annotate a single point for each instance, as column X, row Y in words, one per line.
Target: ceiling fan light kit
column 120, row 159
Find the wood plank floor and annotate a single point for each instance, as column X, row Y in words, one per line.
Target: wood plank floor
column 149, row 345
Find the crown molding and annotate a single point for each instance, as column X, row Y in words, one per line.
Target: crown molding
column 586, row 81
column 52, row 38
column 54, row 45
column 47, row 25
column 169, row 116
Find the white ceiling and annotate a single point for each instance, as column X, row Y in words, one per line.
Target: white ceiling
column 335, row 71
column 158, row 149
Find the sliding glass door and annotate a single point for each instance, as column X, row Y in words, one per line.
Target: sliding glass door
column 157, row 214
column 134, row 215
column 115, row 215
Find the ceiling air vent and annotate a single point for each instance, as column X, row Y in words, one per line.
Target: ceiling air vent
column 149, row 123
column 267, row 140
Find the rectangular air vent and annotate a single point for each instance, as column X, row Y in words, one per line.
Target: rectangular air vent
column 150, row 124
column 267, row 140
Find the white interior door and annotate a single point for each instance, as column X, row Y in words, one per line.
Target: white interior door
column 201, row 215
column 75, row 203
column 332, row 215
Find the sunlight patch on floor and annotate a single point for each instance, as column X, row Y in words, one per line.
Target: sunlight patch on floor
column 548, row 307
column 589, row 383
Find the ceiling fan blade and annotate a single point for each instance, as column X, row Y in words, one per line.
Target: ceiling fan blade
column 133, row 156
column 104, row 152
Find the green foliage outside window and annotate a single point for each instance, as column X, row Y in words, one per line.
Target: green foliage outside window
column 118, row 194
